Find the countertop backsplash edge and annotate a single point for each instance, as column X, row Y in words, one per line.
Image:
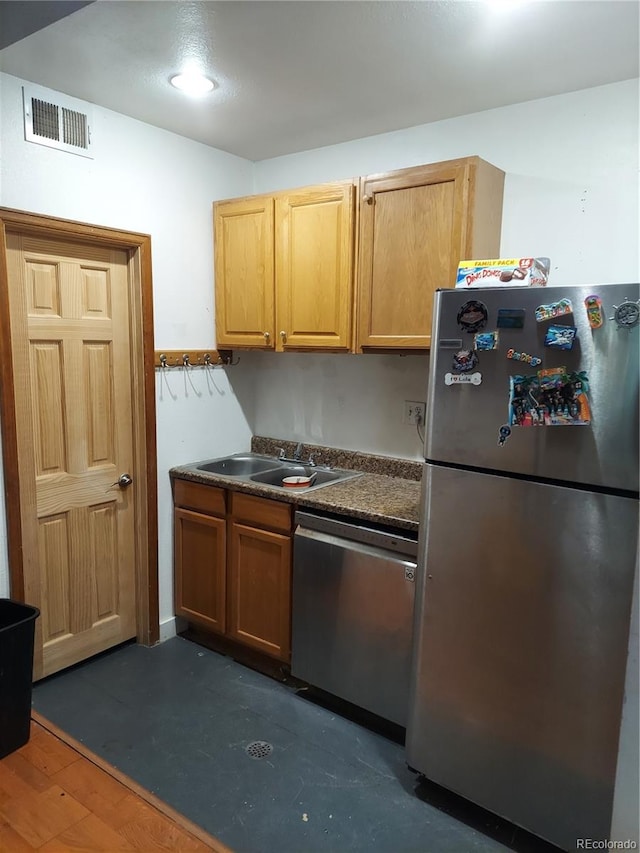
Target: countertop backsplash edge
column 334, row 457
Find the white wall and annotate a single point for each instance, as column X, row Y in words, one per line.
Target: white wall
column 351, row 401
column 571, row 163
column 148, row 180
column 571, row 193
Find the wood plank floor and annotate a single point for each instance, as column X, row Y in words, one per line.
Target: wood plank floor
column 56, row 796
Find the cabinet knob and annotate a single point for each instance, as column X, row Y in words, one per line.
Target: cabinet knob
column 267, row 335
column 283, row 335
column 368, row 199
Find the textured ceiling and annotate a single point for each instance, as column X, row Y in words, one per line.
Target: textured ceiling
column 20, row 18
column 299, row 75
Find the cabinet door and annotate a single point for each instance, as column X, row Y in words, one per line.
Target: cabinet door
column 200, row 568
column 315, row 230
column 415, row 226
column 244, row 270
column 259, row 600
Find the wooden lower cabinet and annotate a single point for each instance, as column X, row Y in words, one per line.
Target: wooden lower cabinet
column 200, row 568
column 259, row 596
column 232, row 566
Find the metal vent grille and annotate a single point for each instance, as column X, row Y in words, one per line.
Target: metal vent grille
column 52, row 123
column 45, row 119
column 74, row 128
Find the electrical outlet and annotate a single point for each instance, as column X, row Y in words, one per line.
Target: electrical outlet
column 414, row 412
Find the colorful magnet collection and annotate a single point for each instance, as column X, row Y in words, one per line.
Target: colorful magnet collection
column 547, row 397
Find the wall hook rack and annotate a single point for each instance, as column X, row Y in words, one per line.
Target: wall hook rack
column 187, row 359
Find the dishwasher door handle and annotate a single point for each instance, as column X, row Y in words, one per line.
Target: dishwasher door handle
column 355, row 534
column 362, row 548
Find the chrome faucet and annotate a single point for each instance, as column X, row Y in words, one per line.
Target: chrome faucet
column 297, row 456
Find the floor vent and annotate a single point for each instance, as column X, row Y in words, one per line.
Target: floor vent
column 53, row 120
column 259, row 749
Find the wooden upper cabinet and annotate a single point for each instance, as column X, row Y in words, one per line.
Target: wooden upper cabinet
column 314, row 239
column 244, row 272
column 284, row 269
column 415, row 226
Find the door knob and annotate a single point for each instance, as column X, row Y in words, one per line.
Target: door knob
column 123, row 481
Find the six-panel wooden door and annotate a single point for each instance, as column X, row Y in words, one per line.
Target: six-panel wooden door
column 70, row 326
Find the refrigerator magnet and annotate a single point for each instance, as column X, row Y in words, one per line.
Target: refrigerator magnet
column 503, row 434
column 463, row 378
column 510, row 318
column 485, row 340
column 627, row 314
column 552, row 398
column 553, row 310
column 464, row 360
column 533, row 360
column 560, row 337
column 472, row 317
column 593, row 304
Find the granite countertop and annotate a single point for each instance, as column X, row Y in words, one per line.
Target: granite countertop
column 382, row 498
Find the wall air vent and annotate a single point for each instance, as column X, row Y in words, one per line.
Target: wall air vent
column 56, row 121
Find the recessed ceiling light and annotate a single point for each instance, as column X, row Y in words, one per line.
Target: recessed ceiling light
column 192, row 83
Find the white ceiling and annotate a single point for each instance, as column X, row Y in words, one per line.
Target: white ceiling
column 303, row 74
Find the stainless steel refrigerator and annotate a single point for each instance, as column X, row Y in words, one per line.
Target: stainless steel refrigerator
column 528, row 546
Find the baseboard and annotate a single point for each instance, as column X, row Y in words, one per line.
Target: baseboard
column 171, row 627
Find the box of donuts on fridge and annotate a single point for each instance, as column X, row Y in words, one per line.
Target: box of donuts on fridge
column 526, row 272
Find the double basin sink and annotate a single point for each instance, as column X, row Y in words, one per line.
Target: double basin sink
column 271, row 471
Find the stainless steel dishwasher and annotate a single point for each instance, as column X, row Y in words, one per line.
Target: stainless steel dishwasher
column 353, row 591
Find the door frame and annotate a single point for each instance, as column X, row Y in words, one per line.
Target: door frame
column 138, row 247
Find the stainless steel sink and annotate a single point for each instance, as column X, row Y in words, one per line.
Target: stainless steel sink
column 240, row 465
column 270, row 471
column 322, row 476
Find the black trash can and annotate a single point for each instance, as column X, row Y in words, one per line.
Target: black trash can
column 17, row 628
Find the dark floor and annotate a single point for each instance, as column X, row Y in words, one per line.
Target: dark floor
column 178, row 719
